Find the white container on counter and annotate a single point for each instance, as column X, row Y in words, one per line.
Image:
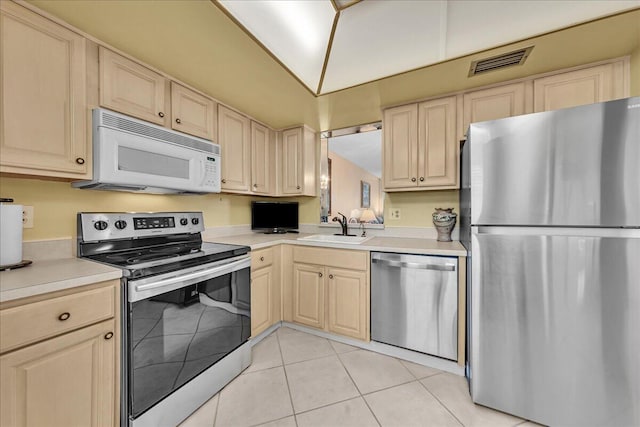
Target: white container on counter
column 10, row 233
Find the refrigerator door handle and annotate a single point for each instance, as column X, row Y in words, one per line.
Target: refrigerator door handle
column 416, row 265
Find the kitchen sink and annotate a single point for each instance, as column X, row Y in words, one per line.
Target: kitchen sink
column 329, row 238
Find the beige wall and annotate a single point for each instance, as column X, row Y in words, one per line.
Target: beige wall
column 345, row 186
column 416, row 207
column 56, row 204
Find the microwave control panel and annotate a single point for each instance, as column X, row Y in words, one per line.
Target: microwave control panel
column 211, row 180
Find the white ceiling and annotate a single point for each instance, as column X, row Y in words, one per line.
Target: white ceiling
column 379, row 38
column 362, row 149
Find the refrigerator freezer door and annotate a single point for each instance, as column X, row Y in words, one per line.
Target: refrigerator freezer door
column 572, row 167
column 555, row 324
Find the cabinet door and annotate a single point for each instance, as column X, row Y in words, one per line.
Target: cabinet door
column 580, row 87
column 130, row 88
column 437, row 145
column 235, row 144
column 261, row 164
column 400, row 152
column 261, row 299
column 348, row 303
column 191, row 112
column 292, row 166
column 64, row 381
column 494, row 103
column 308, row 295
column 42, row 96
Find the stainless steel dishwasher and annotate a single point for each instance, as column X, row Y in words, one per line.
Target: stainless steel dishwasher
column 414, row 302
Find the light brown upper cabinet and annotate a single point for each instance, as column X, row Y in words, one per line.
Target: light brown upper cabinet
column 262, row 159
column 400, row 154
column 579, row 87
column 192, row 113
column 420, row 146
column 130, row 88
column 43, row 106
column 298, row 171
column 494, row 103
column 234, row 137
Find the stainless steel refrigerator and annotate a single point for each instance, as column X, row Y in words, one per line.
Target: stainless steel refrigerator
column 550, row 214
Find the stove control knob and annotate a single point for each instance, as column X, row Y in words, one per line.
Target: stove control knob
column 121, row 225
column 195, row 221
column 101, row 225
column 184, row 221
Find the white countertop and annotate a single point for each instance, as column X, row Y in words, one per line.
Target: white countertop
column 45, row 276
column 380, row 244
column 53, row 275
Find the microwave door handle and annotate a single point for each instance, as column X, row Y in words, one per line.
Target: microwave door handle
column 203, row 173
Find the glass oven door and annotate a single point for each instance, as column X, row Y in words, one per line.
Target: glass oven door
column 181, row 323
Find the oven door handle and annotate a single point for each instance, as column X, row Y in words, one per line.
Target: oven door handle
column 171, row 283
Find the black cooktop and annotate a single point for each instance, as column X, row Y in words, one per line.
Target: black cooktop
column 151, row 260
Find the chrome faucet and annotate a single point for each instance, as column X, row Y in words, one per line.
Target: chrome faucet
column 343, row 223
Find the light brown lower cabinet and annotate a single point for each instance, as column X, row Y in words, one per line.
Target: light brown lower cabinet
column 348, row 302
column 68, row 377
column 329, row 290
column 64, row 381
column 308, row 295
column 265, row 289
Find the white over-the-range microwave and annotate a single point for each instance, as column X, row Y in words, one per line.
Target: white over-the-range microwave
column 133, row 155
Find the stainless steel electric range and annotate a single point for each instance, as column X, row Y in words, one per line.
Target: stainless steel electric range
column 186, row 311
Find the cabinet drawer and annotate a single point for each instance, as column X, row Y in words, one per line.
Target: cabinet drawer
column 261, row 258
column 341, row 258
column 33, row 322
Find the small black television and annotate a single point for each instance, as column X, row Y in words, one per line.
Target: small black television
column 274, row 217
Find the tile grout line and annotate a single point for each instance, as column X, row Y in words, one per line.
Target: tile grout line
column 215, row 415
column 286, row 378
column 359, row 392
column 440, row 402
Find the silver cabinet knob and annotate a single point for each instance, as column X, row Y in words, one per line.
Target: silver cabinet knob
column 413, row 179
column 178, row 121
column 421, row 178
column 64, row 316
column 331, row 276
column 320, row 274
column 161, row 114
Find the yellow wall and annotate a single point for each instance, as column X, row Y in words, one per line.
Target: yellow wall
column 56, row 204
column 416, row 207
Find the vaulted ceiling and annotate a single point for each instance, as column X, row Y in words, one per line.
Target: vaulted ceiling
column 199, row 44
column 330, row 45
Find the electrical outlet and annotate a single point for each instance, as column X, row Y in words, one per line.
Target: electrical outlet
column 27, row 217
column 395, row 213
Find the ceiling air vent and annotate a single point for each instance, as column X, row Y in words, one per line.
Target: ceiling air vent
column 517, row 57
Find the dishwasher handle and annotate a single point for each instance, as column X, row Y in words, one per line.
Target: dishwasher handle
column 416, row 265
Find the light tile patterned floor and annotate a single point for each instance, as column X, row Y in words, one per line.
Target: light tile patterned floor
column 299, row 379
